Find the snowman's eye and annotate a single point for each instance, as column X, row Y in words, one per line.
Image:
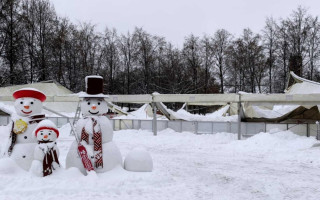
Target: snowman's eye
column 31, row 102
column 21, row 102
column 98, row 103
column 49, row 133
column 88, row 103
column 41, row 133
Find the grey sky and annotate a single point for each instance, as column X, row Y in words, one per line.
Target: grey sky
column 175, row 19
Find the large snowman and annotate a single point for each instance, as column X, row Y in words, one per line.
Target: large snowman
column 94, row 130
column 28, row 106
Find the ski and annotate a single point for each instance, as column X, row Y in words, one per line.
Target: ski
column 82, row 151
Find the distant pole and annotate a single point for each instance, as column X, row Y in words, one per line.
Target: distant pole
column 318, row 130
column 239, row 118
column 154, row 120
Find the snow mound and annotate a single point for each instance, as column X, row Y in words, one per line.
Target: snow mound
column 215, row 116
column 138, row 160
column 274, row 141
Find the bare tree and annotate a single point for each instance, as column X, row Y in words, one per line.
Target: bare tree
column 221, row 42
column 269, row 37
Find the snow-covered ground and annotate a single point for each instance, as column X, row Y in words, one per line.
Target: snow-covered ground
column 277, row 165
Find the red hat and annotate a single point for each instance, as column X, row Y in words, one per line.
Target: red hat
column 46, row 124
column 29, row 92
column 50, row 128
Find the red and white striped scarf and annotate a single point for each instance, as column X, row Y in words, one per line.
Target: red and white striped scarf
column 97, row 141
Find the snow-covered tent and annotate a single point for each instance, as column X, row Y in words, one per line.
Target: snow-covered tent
column 59, row 98
column 286, row 111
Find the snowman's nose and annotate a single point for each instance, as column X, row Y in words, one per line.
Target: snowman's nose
column 94, row 107
column 45, row 137
column 26, row 107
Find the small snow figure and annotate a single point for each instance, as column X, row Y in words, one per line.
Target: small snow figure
column 46, row 152
column 28, row 106
column 94, row 130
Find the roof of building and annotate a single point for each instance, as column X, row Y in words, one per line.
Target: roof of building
column 49, row 88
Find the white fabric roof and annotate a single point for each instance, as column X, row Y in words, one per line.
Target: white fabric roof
column 49, row 88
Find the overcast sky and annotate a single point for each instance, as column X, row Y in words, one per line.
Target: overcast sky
column 175, row 19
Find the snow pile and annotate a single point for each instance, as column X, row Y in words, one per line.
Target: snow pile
column 138, row 160
column 218, row 115
column 143, row 113
column 215, row 116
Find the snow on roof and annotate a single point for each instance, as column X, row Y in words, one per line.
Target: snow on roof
column 142, row 113
column 303, row 86
column 49, row 88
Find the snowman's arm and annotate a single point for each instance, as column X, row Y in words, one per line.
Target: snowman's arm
column 12, row 137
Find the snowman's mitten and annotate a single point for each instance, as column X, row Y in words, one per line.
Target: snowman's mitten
column 55, row 165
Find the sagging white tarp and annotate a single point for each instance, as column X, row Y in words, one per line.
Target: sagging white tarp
column 300, row 100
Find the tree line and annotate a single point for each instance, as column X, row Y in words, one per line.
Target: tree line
column 38, row 45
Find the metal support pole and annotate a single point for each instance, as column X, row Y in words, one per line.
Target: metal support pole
column 318, row 131
column 154, row 121
column 239, row 118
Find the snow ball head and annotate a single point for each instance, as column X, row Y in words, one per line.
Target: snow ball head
column 94, row 106
column 46, row 131
column 28, row 101
column 138, row 160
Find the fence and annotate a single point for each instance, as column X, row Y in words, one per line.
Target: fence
column 247, row 128
column 198, row 127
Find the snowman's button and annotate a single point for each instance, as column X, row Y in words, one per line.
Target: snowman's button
column 23, row 156
column 92, row 157
column 25, row 137
column 92, row 138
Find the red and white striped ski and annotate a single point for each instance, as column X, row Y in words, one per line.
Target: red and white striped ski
column 82, row 151
column 84, row 157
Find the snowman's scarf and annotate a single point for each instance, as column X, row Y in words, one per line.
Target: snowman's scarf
column 97, row 139
column 50, row 156
column 13, row 137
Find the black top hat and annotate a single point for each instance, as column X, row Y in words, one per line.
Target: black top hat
column 94, row 87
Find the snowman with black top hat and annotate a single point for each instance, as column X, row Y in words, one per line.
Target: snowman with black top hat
column 28, row 107
column 94, row 131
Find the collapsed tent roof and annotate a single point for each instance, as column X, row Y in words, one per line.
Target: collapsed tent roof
column 303, row 86
column 306, row 109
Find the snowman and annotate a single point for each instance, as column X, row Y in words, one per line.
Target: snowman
column 46, row 153
column 94, row 131
column 28, row 106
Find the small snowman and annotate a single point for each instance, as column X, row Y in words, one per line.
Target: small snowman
column 94, row 131
column 28, row 106
column 46, row 153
